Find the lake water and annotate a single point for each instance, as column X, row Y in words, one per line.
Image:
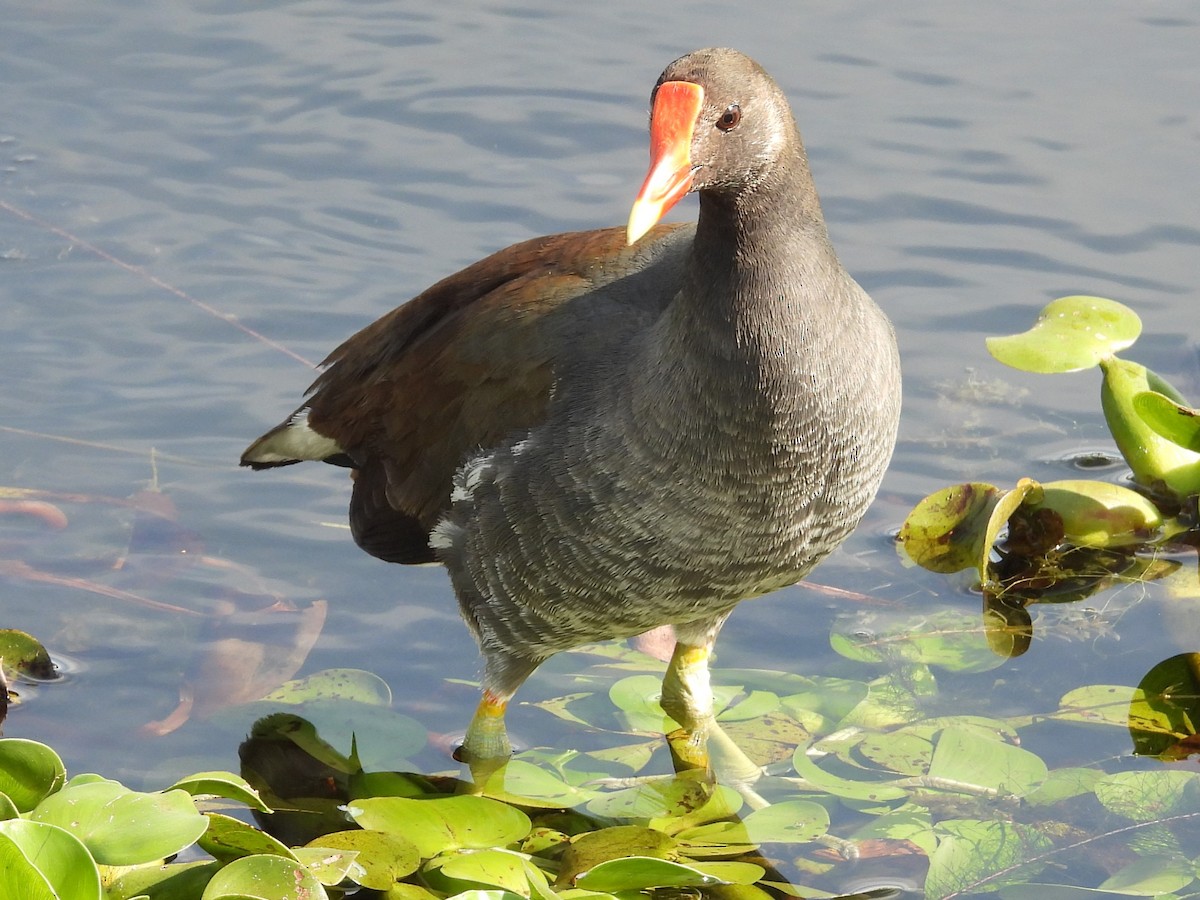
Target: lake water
column 178, row 175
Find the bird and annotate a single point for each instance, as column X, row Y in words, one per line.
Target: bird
column 602, row 432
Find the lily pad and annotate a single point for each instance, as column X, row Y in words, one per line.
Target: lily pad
column 1070, row 334
column 965, row 757
column 1164, row 714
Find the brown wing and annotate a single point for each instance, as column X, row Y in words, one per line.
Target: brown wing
column 458, row 368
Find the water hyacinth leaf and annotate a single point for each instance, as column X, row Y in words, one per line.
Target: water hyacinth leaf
column 1172, row 419
column 443, row 823
column 24, row 654
column 1148, row 796
column 456, row 871
column 177, row 881
column 329, row 866
column 1096, row 513
column 974, row 855
column 966, row 757
column 1070, row 333
column 228, row 839
column 593, row 848
column 715, row 839
column 222, row 784
column 29, row 772
column 38, row 859
column 752, row 706
column 723, row 802
column 1063, row 784
column 264, row 878
column 1158, row 463
column 1151, row 876
column 788, row 822
column 948, row 530
column 1165, row 710
column 730, row 871
column 8, row 809
column 121, row 827
column 639, row 873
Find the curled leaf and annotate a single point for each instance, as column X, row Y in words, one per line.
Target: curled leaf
column 1170, row 418
column 1097, row 513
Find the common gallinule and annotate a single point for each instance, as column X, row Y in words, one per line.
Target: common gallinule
column 606, row 431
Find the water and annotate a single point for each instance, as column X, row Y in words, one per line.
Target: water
column 303, row 167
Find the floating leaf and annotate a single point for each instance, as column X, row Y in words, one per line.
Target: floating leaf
column 1146, row 796
column 788, row 822
column 443, row 823
column 227, row 839
column 836, row 780
column 638, row 873
column 972, row 855
column 1097, row 513
column 29, row 772
column 456, row 870
column 1170, row 418
column 1152, row 875
column 1164, row 714
column 1071, row 333
column 593, row 849
column 335, row 684
column 24, row 654
column 1158, row 463
column 948, row 639
column 264, row 878
column 947, row 531
column 964, row 756
column 40, row 861
column 121, row 827
column 222, row 784
column 1102, row 704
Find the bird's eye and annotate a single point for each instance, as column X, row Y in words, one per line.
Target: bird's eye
column 730, row 118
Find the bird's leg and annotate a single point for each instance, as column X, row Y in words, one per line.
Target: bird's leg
column 687, row 698
column 486, row 737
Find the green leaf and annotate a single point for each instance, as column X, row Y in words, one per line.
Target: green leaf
column 973, row 855
column 637, row 698
column 1160, row 464
column 335, row 684
column 24, row 654
column 637, row 873
column 458, row 870
column 177, row 881
column 1071, row 333
column 948, row 530
column 43, row 860
column 121, row 827
column 949, row 639
column 1165, row 708
column 1170, row 418
column 264, row 878
column 29, row 772
column 1146, row 796
column 443, row 823
column 651, row 799
column 964, row 756
column 1097, row 513
column 1100, row 704
column 835, row 782
column 222, row 784
column 1152, row 875
column 380, row 859
column 227, row 839
column 787, row 822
